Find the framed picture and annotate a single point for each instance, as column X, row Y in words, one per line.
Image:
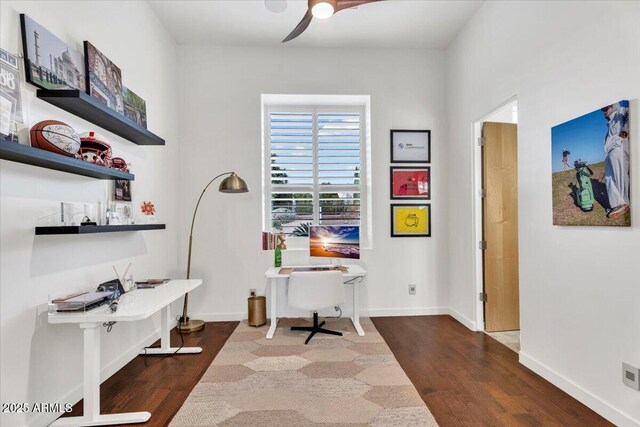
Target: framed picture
column 122, row 190
column 104, row 78
column 410, row 183
column 49, row 62
column 411, row 220
column 410, row 146
column 590, row 167
column 135, row 108
column 124, row 212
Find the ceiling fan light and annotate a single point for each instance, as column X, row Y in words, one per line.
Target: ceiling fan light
column 322, row 10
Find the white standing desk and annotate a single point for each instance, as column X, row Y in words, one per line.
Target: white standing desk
column 354, row 271
column 135, row 305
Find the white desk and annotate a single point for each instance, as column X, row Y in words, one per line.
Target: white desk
column 135, row 305
column 355, row 271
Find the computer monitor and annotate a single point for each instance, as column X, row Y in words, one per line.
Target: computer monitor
column 329, row 241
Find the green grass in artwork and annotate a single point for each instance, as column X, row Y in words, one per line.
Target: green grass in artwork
column 565, row 210
column 43, row 83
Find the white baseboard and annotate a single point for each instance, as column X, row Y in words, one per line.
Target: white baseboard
column 75, row 395
column 374, row 312
column 219, row 317
column 462, row 319
column 409, row 311
column 600, row 406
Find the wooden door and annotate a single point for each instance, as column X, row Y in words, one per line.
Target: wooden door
column 500, row 226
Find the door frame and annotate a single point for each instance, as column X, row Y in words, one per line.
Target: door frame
column 477, row 218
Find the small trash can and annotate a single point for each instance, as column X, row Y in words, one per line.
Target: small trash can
column 257, row 310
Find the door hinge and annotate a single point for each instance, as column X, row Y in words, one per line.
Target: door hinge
column 482, row 193
column 481, row 141
column 482, row 245
column 483, row 296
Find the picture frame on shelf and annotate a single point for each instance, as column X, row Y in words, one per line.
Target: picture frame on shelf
column 103, row 78
column 11, row 114
column 411, row 220
column 49, row 62
column 125, row 212
column 410, row 146
column 135, row 108
column 122, row 190
column 410, row 183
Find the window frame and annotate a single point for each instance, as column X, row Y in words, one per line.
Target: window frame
column 315, row 188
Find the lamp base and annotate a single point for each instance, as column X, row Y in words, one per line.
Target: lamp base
column 190, row 326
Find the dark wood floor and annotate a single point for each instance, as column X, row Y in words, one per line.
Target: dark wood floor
column 469, row 379
column 466, row 378
column 160, row 385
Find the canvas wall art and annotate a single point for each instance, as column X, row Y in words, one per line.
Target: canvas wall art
column 591, row 168
column 49, row 62
column 135, row 108
column 104, row 78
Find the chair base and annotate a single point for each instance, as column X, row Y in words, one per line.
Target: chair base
column 315, row 329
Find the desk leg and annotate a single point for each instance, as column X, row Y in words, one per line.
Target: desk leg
column 274, row 314
column 356, row 309
column 165, row 338
column 91, row 416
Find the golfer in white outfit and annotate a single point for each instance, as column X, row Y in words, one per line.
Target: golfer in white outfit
column 616, row 148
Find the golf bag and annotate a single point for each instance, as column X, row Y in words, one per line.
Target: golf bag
column 584, row 192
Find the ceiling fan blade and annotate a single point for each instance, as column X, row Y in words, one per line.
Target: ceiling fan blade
column 347, row 4
column 299, row 29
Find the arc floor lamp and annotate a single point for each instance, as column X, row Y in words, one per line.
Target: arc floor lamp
column 231, row 184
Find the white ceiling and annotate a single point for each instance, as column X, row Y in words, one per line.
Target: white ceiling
column 390, row 23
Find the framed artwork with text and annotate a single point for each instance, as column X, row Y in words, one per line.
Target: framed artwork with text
column 410, row 146
column 410, row 183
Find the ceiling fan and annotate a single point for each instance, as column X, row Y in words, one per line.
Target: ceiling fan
column 323, row 9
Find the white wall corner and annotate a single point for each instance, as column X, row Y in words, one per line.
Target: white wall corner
column 603, row 408
column 462, row 319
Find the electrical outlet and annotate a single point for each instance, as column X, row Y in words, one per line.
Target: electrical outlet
column 631, row 376
column 412, row 289
column 252, row 292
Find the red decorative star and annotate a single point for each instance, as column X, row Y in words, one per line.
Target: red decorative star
column 148, row 208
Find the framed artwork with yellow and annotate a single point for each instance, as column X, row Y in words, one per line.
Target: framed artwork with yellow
column 411, row 220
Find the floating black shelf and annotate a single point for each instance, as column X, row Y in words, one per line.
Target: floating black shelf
column 89, row 229
column 87, row 107
column 46, row 159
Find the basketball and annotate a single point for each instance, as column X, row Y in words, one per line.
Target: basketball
column 55, row 136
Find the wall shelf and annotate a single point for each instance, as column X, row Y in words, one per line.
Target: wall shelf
column 46, row 159
column 90, row 229
column 85, row 106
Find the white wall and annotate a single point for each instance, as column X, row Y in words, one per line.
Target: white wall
column 39, row 362
column 221, row 130
column 579, row 287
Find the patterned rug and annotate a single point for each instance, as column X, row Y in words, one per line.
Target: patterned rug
column 333, row 381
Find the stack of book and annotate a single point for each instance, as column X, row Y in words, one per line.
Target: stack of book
column 268, row 241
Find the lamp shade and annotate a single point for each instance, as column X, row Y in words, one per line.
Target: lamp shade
column 233, row 184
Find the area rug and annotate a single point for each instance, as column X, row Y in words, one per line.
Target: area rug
column 332, row 381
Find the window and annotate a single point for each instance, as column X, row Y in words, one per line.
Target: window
column 314, row 168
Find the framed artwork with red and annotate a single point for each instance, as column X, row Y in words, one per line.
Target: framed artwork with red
column 410, row 183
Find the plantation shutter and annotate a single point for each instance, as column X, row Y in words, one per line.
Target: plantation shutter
column 315, row 168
